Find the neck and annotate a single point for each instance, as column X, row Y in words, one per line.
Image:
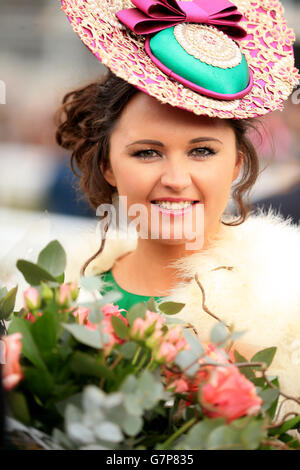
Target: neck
column 150, row 269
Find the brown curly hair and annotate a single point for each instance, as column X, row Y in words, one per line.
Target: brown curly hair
column 85, row 121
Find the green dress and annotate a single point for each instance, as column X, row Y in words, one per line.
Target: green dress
column 128, row 299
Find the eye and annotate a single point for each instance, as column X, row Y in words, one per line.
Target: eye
column 148, row 154
column 203, row 152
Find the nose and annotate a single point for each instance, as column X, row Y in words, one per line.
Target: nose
column 176, row 176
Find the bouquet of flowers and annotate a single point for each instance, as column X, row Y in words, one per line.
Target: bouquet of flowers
column 89, row 375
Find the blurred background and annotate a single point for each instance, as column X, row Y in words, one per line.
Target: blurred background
column 41, row 60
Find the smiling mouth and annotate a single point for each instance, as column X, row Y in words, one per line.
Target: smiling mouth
column 174, row 206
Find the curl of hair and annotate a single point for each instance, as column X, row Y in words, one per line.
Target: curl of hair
column 85, row 121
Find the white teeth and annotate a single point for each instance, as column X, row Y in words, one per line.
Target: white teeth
column 174, row 205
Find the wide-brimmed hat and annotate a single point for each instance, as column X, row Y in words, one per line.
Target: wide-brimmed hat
column 216, row 58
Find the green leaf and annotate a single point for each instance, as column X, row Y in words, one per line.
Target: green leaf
column 7, row 303
column 266, row 355
column 246, row 371
column 119, row 327
column 171, row 308
column 293, row 423
column 136, row 311
column 84, row 364
column 29, row 347
column 61, row 278
column 18, row 406
column 3, row 292
column 128, row 349
column 151, row 305
column 44, row 331
column 33, row 273
column 39, row 382
column 92, row 338
column 53, row 258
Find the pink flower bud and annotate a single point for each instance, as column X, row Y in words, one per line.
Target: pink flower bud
column 31, row 298
column 74, row 290
column 64, row 296
column 166, row 353
column 32, row 317
column 11, row 369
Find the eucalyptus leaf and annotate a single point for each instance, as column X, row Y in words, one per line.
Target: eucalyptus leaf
column 184, row 359
column 53, row 258
column 90, row 283
column 219, row 333
column 253, row 434
column 33, row 273
column 170, row 308
column 172, row 321
column 119, row 327
column 266, row 355
column 132, row 425
column 85, row 336
column 196, row 438
column 108, row 431
column 224, row 437
column 194, row 342
column 269, row 396
column 7, row 303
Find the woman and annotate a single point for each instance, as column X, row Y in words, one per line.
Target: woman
column 133, row 135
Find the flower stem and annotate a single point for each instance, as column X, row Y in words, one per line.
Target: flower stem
column 136, row 355
column 178, row 433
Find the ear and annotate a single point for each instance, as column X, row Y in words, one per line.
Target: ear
column 108, row 175
column 238, row 165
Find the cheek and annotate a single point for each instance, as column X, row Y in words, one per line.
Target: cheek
column 134, row 180
column 215, row 184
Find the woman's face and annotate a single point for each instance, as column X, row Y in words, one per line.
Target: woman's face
column 159, row 151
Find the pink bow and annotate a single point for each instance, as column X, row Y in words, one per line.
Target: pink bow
column 151, row 16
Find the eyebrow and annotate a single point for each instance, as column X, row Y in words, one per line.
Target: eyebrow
column 160, row 144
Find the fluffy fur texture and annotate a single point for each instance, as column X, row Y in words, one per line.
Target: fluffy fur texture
column 259, row 292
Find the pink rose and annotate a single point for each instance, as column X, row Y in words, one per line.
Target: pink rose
column 11, row 371
column 83, row 316
column 31, row 298
column 229, row 394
